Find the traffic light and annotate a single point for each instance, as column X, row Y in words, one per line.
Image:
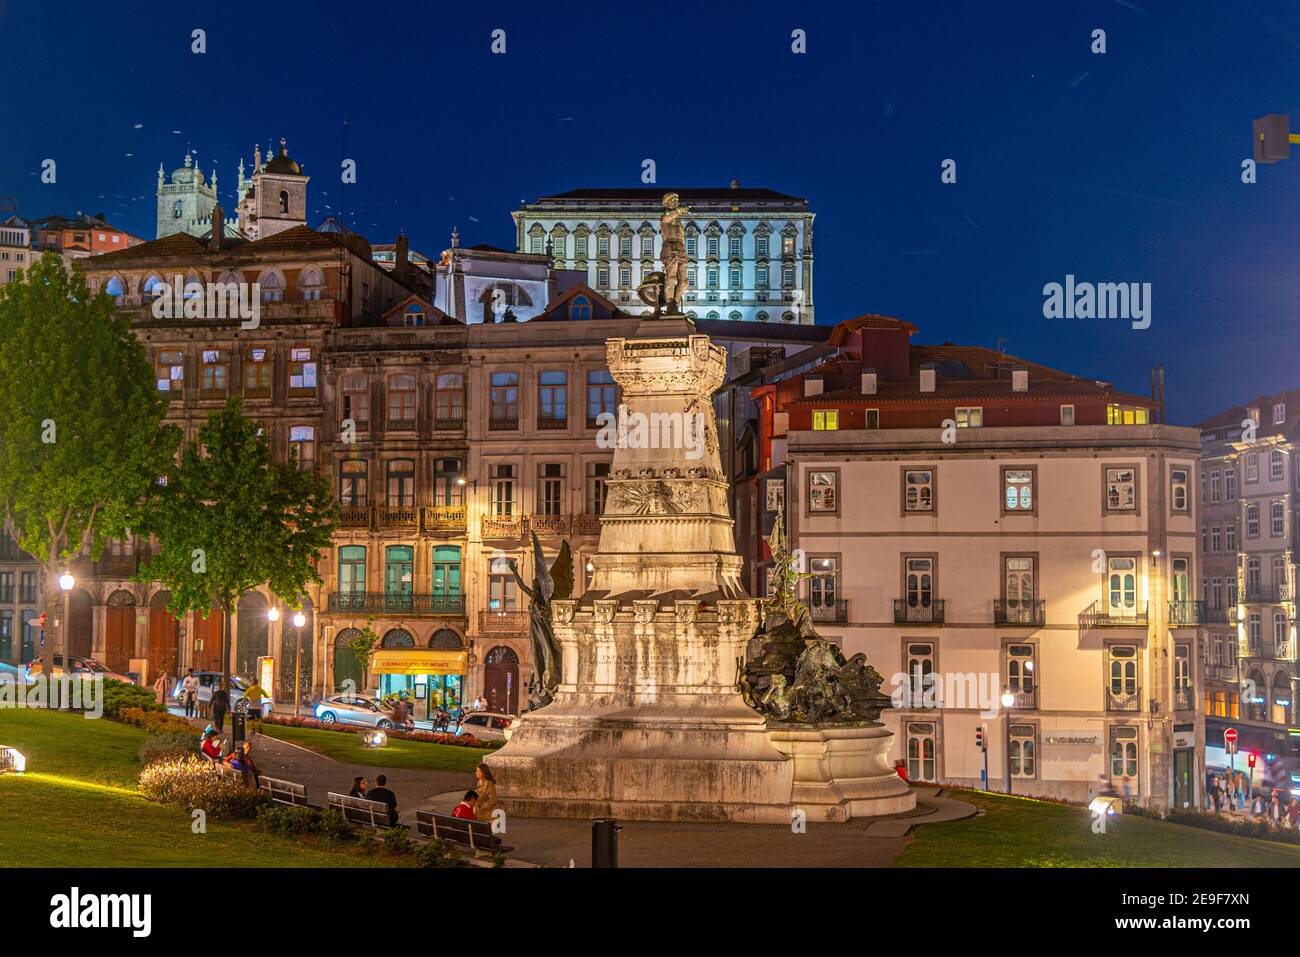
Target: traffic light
column 979, row 737
column 1250, row 758
column 42, row 619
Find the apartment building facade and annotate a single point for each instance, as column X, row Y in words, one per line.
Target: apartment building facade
column 980, row 525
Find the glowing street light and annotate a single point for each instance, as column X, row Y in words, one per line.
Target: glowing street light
column 299, row 619
column 1008, row 700
column 273, row 614
column 67, row 582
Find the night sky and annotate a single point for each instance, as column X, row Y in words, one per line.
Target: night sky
column 1122, row 167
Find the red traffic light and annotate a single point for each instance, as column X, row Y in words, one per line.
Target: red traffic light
column 42, row 619
column 979, row 738
column 1250, row 758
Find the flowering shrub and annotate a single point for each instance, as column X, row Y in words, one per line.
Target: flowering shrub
column 429, row 737
column 192, row 783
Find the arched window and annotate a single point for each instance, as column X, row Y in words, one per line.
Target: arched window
column 150, row 287
column 444, row 639
column 272, row 287
column 193, row 286
column 502, row 655
column 284, row 201
column 414, row 315
column 176, row 209
column 311, row 282
column 580, row 308
column 115, row 288
column 398, row 638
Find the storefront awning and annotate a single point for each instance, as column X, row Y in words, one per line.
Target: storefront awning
column 418, row 661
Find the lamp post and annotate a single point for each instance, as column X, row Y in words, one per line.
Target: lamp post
column 1008, row 699
column 299, row 619
column 66, row 583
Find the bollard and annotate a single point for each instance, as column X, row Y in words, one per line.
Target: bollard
column 238, row 729
column 604, row 842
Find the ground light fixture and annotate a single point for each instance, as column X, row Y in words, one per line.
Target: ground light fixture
column 373, row 739
column 1109, row 806
column 12, row 760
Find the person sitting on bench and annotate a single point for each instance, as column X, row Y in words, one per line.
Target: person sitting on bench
column 465, row 809
column 381, row 794
column 211, row 745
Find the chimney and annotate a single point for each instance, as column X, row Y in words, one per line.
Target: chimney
column 1020, row 380
column 927, row 378
column 218, row 229
column 401, row 254
column 869, row 382
column 813, row 386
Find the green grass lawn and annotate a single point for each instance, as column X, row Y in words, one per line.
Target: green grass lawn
column 398, row 754
column 1016, row 832
column 78, row 807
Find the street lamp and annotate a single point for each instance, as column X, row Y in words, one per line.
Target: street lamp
column 273, row 614
column 1008, row 699
column 67, row 583
column 299, row 619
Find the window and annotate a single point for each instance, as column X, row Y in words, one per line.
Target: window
column 711, row 247
column 580, row 309
column 27, row 587
column 503, row 490
column 6, row 635
column 712, row 278
column 284, row 201
column 1023, row 751
column 302, row 445
column 1178, row 483
column 170, row 368
column 6, row 587
column 921, row 751
column 1252, row 520
column 580, row 246
column 553, row 400
column 602, row 395
column 760, row 246
column 1279, row 630
column 823, row 491
column 1122, row 586
column 1127, row 415
column 448, row 482
column 272, row 286
column 918, row 490
column 1123, row 752
column 1254, row 628
column 414, row 315
column 970, row 418
column 401, row 483
column 787, row 277
column 176, row 209
column 356, row 400
column 401, row 402
column 1018, row 490
column 1275, row 465
column 352, row 570
column 624, row 277
column 1252, row 467
column 1230, row 483
column 1277, row 516
column 733, row 277
column 602, row 246
column 825, row 420
column 872, row 419
column 1230, row 537
column 1214, row 486
column 302, row 370
column 352, row 483
column 1019, row 589
column 1181, row 582
column 550, row 488
column 1279, row 413
column 761, row 278
column 1216, row 593
column 1252, row 577
column 310, row 283
column 449, row 401
column 918, row 666
column 648, row 245
column 918, row 582
column 597, row 487
column 212, row 372
column 399, row 575
column 824, row 587
column 787, row 245
column 446, row 572
column 625, row 245
column 503, row 400
column 1215, row 539
column 1121, row 490
column 502, row 592
column 257, row 372
column 1067, row 415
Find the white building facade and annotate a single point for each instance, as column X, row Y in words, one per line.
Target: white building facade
column 750, row 251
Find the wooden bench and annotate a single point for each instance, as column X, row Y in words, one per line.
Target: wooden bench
column 285, row 792
column 360, row 810
column 476, row 835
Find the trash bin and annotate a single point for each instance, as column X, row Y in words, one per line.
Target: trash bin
column 604, row 842
column 238, row 729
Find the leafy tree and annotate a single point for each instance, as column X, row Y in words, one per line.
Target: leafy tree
column 230, row 519
column 81, row 434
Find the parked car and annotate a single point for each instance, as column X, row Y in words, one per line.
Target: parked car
column 360, row 710
column 78, row 666
column 487, row 725
column 208, row 680
column 14, row 674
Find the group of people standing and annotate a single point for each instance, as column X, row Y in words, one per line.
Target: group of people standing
column 218, row 705
column 1231, row 793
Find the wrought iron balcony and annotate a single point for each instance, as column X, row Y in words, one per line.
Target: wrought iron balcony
column 398, row 515
column 918, row 612
column 1121, row 700
column 502, row 622
column 1184, row 699
column 834, row 611
column 1024, row 700
column 355, row 516
column 1268, row 594
column 552, row 422
column 503, row 526
column 443, row 517
column 586, row 524
column 1187, row 613
column 549, row 524
column 400, row 425
column 380, row 603
column 448, row 425
column 1098, row 615
column 1217, row 672
column 503, row 423
column 1015, row 611
column 1220, row 616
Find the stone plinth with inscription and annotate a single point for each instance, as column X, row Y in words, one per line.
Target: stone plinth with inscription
column 647, row 722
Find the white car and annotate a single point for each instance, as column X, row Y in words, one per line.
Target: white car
column 487, row 725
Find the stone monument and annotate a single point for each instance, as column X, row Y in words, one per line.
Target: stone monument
column 648, row 721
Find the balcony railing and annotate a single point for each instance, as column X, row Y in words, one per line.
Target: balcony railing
column 1123, row 700
column 503, row 423
column 552, row 422
column 1098, row 615
column 355, row 516
column 448, row 425
column 1184, row 699
column 441, row 517
column 400, row 425
column 398, row 515
column 1219, row 616
column 834, row 611
column 379, row 603
column 1216, row 672
column 502, row 622
column 917, row 612
column 503, row 526
column 1016, row 611
column 1268, row 594
column 549, row 524
column 1024, row 700
column 1187, row 613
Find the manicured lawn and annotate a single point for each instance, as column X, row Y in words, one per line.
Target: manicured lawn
column 1016, row 832
column 78, row 807
column 398, row 754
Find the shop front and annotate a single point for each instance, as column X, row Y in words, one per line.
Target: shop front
column 427, row 678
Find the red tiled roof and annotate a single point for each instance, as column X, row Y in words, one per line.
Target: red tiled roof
column 169, row 247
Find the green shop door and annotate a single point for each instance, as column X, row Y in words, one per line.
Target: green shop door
column 1183, row 765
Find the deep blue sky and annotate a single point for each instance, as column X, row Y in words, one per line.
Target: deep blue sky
column 1118, row 167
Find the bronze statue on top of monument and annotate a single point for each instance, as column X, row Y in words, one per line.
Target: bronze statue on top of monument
column 797, row 675
column 664, row 290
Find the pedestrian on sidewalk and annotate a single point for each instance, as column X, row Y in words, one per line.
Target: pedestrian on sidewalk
column 190, row 690
column 381, row 794
column 160, row 689
column 486, row 787
column 220, row 705
column 255, row 695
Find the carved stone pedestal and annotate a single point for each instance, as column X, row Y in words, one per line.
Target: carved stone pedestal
column 842, row 771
